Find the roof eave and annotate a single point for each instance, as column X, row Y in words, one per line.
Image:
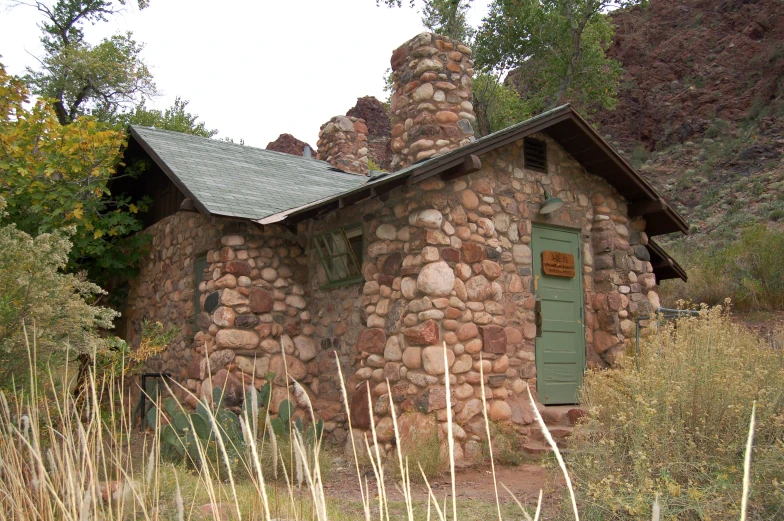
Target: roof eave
column 664, row 266
column 168, row 171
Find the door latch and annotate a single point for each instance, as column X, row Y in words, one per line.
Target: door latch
column 538, row 315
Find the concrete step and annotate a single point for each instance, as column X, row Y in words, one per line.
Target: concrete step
column 556, row 431
column 537, row 448
column 562, row 415
column 559, row 432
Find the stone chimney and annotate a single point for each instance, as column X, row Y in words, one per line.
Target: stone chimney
column 431, row 108
column 343, row 143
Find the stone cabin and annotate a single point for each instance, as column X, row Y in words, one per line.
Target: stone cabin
column 254, row 253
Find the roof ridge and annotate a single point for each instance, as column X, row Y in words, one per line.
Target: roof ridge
column 229, row 143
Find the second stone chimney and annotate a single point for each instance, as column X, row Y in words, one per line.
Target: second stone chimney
column 431, row 108
column 343, row 143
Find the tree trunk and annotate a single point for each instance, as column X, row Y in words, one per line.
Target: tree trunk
column 62, row 114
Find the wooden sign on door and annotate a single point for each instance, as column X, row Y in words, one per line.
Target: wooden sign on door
column 558, row 264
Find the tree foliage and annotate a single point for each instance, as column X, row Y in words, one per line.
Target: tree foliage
column 554, row 49
column 394, row 3
column 54, row 176
column 448, row 18
column 85, row 78
column 35, row 295
column 558, row 47
column 176, row 118
column 497, row 106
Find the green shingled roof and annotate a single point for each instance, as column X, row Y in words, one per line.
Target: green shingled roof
column 241, row 181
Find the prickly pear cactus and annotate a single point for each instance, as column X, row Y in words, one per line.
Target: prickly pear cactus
column 186, row 433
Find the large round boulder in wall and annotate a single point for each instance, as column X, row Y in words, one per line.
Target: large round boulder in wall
column 436, row 279
column 433, row 359
column 237, row 339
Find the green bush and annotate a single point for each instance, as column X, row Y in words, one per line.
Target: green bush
column 57, row 308
column 507, row 445
column 425, row 452
column 498, row 106
column 749, row 271
column 639, row 156
column 776, row 215
column 678, row 425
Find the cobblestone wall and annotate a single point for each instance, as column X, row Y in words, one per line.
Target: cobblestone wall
column 164, row 288
column 253, row 302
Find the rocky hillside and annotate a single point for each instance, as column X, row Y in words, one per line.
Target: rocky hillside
column 379, row 130
column 288, row 144
column 701, row 107
column 690, row 63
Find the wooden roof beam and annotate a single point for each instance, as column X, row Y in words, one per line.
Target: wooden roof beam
column 646, row 207
column 470, row 165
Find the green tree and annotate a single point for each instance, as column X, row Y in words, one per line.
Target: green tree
column 54, row 176
column 176, row 118
column 444, row 17
column 558, row 48
column 448, row 18
column 81, row 77
column 394, row 3
column 496, row 105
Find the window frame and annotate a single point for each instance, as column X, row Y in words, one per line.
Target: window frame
column 199, row 259
column 349, row 255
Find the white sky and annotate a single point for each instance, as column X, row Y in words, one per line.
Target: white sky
column 253, row 69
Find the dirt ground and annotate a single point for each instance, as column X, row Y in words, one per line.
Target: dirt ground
column 524, row 481
column 769, row 325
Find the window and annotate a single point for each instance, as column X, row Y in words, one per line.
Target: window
column 340, row 253
column 535, row 154
column 198, row 275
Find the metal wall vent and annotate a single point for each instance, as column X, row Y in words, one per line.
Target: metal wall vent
column 535, row 154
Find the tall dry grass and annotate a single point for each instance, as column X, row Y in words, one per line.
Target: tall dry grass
column 68, row 459
column 678, row 426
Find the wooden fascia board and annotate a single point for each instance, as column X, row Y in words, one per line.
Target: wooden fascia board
column 684, row 225
column 665, row 261
column 616, row 158
column 457, row 158
column 168, row 171
column 638, row 180
column 471, row 163
column 487, row 146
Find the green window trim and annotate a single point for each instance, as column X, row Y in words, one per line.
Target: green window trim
column 199, row 265
column 340, row 252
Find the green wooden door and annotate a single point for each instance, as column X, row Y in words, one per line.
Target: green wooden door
column 560, row 348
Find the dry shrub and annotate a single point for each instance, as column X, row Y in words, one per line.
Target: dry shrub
column 750, row 271
column 56, row 308
column 678, row 426
column 286, row 459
